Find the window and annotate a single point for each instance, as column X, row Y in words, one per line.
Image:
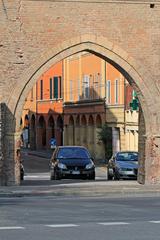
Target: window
column 51, row 89
column 55, row 87
column 86, row 86
column 116, row 91
column 108, row 97
column 41, row 90
column 60, row 87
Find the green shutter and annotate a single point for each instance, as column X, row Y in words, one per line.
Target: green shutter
column 55, row 87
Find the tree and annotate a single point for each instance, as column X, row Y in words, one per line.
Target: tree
column 105, row 135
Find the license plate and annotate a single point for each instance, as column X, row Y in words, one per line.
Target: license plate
column 75, row 172
column 128, row 172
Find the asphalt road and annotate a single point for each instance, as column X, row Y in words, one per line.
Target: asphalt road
column 37, row 171
column 59, row 218
column 75, row 218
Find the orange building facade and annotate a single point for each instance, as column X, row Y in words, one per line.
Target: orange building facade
column 72, row 101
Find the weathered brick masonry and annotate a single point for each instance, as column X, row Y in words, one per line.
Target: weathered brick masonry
column 36, row 34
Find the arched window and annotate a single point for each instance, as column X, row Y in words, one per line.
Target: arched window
column 98, row 121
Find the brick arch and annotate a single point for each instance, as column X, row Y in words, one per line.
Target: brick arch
column 51, row 121
column 71, row 121
column 83, row 120
column 92, row 43
column 129, row 67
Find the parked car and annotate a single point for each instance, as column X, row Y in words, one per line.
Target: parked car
column 71, row 162
column 123, row 165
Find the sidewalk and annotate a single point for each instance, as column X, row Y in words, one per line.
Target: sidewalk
column 84, row 189
column 39, row 153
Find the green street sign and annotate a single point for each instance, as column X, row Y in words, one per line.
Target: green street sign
column 134, row 105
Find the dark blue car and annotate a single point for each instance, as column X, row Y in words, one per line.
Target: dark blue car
column 72, row 162
column 123, row 165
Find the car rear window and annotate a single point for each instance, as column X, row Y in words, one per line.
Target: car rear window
column 127, row 156
column 71, row 152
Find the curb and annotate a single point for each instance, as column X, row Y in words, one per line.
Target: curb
column 82, row 191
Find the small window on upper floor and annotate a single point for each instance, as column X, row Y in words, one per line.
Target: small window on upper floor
column 116, row 91
column 41, row 90
column 108, row 92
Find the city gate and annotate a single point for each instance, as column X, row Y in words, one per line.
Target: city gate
column 35, row 34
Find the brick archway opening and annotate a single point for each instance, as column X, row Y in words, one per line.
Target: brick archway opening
column 102, row 48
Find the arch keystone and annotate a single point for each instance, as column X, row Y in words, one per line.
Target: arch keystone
column 88, row 38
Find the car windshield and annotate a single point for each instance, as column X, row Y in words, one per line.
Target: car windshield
column 127, row 156
column 73, row 152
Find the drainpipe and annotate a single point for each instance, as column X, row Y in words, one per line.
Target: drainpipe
column 124, row 105
column 105, row 82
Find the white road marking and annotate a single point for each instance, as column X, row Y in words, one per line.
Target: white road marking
column 11, row 228
column 154, row 221
column 62, row 225
column 113, row 223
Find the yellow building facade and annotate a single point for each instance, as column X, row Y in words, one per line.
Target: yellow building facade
column 87, row 81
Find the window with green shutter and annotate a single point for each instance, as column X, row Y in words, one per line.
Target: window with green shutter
column 41, row 90
column 51, row 88
column 55, row 87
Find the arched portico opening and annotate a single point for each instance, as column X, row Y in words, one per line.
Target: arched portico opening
column 122, row 61
column 59, row 132
column 33, row 132
column 50, row 130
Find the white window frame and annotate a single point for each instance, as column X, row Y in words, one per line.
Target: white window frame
column 116, row 91
column 108, row 92
column 86, row 84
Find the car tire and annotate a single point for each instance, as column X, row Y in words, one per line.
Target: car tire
column 92, row 176
column 51, row 177
column 116, row 176
column 110, row 177
column 22, row 177
column 56, row 176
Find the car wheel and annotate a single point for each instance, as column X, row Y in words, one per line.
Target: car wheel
column 110, row 177
column 116, row 176
column 56, row 176
column 51, row 177
column 92, row 176
column 110, row 173
column 22, row 177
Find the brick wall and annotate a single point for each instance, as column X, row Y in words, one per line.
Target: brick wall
column 36, row 35
column 2, row 128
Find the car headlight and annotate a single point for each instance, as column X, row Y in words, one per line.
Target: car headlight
column 62, row 166
column 89, row 166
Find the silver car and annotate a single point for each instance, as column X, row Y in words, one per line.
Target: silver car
column 123, row 165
